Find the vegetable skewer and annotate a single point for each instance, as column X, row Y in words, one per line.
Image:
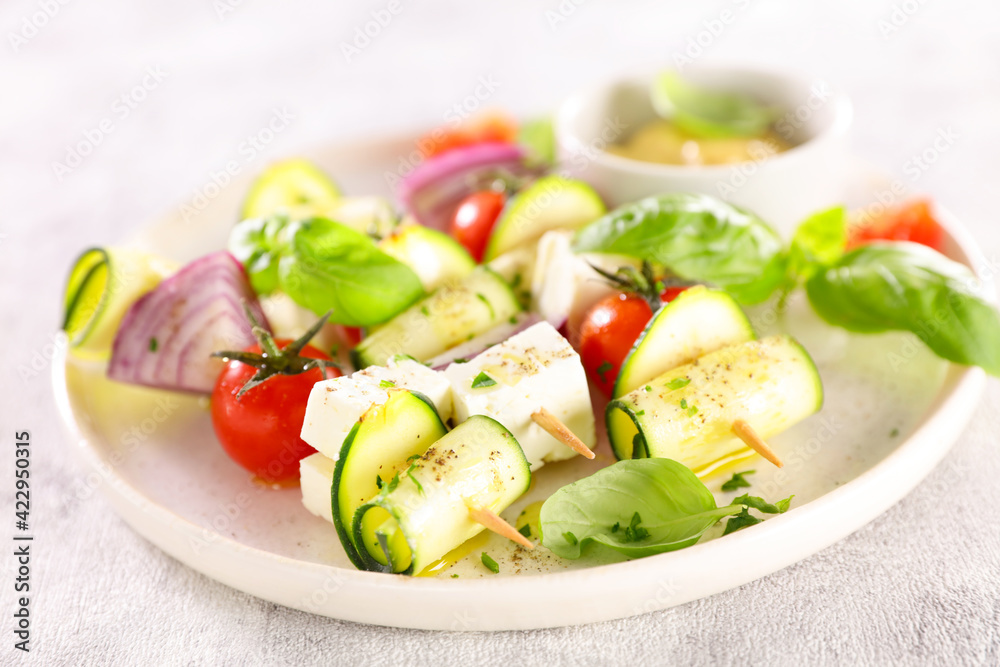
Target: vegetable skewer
column 560, row 432
column 493, row 522
column 745, row 432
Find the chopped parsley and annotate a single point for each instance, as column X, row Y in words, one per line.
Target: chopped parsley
column 603, row 369
column 648, row 388
column 570, row 537
column 684, row 404
column 738, row 481
column 490, row 564
column 393, row 483
column 460, row 360
column 425, row 311
column 614, row 528
column 516, row 282
column 692, row 411
column 454, row 576
column 634, row 532
column 482, row 380
column 409, row 473
column 640, row 413
column 893, row 433
column 677, row 383
column 153, row 344
column 385, row 384
column 525, row 530
column 513, row 319
column 482, row 297
column 378, row 481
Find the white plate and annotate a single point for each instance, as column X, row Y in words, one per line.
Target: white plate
column 154, row 455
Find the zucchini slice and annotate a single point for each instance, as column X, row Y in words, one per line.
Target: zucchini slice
column 382, row 442
column 435, row 257
column 698, row 321
column 424, row 512
column 296, row 186
column 452, row 314
column 102, row 285
column 687, row 413
column 551, row 202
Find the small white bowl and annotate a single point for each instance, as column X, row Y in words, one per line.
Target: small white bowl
column 782, row 189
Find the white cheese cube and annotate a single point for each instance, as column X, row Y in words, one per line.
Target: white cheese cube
column 336, row 405
column 333, row 408
column 405, row 373
column 534, row 369
column 564, row 284
column 316, row 480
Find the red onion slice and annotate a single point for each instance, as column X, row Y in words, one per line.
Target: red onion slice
column 433, row 190
column 166, row 337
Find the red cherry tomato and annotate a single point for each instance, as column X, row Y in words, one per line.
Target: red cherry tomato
column 489, row 127
column 260, row 430
column 911, row 221
column 351, row 335
column 670, row 293
column 474, row 219
column 610, row 329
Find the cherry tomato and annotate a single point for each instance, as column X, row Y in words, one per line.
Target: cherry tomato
column 610, row 329
column 911, row 221
column 490, row 127
column 474, row 219
column 351, row 335
column 260, row 430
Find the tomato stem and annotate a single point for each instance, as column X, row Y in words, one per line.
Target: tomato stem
column 273, row 360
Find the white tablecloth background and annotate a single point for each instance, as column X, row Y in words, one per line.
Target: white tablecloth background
column 919, row 585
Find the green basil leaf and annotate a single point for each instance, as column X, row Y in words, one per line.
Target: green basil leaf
column 696, row 236
column 742, row 520
column 258, row 244
column 761, row 505
column 674, row 506
column 709, row 113
column 910, row 287
column 818, row 242
column 331, row 267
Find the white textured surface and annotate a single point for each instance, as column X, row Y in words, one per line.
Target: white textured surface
column 919, row 585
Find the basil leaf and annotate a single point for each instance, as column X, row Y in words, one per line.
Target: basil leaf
column 709, row 113
column 818, row 242
column 258, row 244
column 674, row 506
column 910, row 287
column 742, row 520
column 761, row 505
column 331, row 267
column 738, row 481
column 696, row 236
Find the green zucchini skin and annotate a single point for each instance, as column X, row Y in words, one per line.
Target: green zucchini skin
column 449, row 316
column 296, row 185
column 551, row 202
column 386, row 430
column 698, row 321
column 687, row 412
column 481, row 457
column 435, row 257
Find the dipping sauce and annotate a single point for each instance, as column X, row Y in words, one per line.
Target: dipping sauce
column 662, row 142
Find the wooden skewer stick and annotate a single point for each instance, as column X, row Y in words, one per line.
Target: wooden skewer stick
column 558, row 430
column 492, row 521
column 746, row 433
